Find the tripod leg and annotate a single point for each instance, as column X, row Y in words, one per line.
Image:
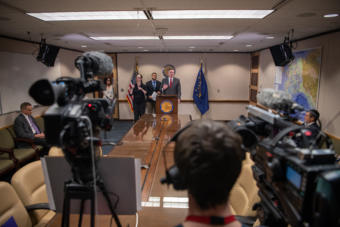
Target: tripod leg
column 92, row 210
column 66, row 210
column 108, row 200
column 81, row 212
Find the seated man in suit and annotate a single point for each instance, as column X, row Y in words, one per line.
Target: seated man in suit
column 152, row 86
column 171, row 85
column 209, row 157
column 26, row 127
column 311, row 117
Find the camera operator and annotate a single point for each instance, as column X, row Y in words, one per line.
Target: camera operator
column 209, row 159
column 311, row 119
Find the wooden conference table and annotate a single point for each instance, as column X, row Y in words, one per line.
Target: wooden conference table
column 161, row 205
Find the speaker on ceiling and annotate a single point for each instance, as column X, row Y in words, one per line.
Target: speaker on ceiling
column 47, row 53
column 282, row 54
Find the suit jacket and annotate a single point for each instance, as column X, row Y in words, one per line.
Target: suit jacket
column 151, row 89
column 314, row 128
column 22, row 128
column 174, row 90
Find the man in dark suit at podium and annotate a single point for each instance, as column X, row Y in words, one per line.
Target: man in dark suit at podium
column 153, row 86
column 171, row 85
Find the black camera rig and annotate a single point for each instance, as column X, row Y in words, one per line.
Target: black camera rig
column 73, row 123
column 297, row 177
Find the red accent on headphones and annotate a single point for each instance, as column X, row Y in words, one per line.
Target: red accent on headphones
column 213, row 220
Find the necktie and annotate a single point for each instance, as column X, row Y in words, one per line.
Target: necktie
column 34, row 126
column 170, row 82
column 154, row 84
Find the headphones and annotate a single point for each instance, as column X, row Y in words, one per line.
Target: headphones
column 314, row 113
column 172, row 175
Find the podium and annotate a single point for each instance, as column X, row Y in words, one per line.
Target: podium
column 167, row 104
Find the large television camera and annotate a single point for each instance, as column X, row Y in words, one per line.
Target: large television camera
column 73, row 122
column 297, row 174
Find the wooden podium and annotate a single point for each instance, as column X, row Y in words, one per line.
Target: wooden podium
column 167, row 104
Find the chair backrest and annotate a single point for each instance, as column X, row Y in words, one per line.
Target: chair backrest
column 245, row 192
column 11, row 131
column 29, row 183
column 40, row 123
column 55, row 152
column 11, row 206
column 6, row 140
column 336, row 145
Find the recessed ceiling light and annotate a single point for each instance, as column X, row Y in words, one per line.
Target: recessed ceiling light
column 270, row 37
column 145, row 50
column 197, row 37
column 93, row 15
column 83, row 46
column 249, row 45
column 124, row 37
column 140, row 47
column 331, row 15
column 192, row 47
column 206, row 14
column 236, row 50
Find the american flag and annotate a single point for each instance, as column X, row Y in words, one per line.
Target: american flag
column 130, row 89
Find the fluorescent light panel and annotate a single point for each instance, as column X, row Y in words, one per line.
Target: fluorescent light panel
column 331, row 15
column 156, row 37
column 125, row 38
column 213, row 14
column 139, row 15
column 95, row 15
column 198, row 37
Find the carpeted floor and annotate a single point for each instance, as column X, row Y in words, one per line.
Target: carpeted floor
column 119, row 129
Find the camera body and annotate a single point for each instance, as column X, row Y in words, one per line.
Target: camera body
column 287, row 180
column 59, row 118
column 73, row 122
column 287, row 169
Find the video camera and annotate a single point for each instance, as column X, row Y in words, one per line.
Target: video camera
column 73, row 122
column 297, row 176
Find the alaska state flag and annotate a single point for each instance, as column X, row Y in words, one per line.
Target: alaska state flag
column 200, row 95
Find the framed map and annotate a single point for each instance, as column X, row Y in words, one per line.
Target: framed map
column 301, row 77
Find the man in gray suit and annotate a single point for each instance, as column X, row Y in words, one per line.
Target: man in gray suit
column 171, row 85
column 26, row 127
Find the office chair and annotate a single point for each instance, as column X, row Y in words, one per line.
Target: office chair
column 29, row 184
column 11, row 206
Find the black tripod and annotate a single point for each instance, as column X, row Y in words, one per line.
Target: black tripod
column 74, row 190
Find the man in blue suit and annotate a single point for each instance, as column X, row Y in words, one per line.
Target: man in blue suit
column 153, row 86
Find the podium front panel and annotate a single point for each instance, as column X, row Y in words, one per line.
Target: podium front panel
column 167, row 104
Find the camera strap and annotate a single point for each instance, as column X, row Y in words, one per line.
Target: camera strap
column 212, row 220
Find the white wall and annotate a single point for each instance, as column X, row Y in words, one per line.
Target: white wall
column 329, row 91
column 19, row 70
column 227, row 76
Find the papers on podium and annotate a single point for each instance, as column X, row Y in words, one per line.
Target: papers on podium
column 121, row 176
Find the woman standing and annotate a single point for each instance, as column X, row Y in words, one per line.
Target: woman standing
column 108, row 92
column 139, row 97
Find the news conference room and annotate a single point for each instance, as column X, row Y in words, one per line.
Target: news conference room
column 170, row 113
